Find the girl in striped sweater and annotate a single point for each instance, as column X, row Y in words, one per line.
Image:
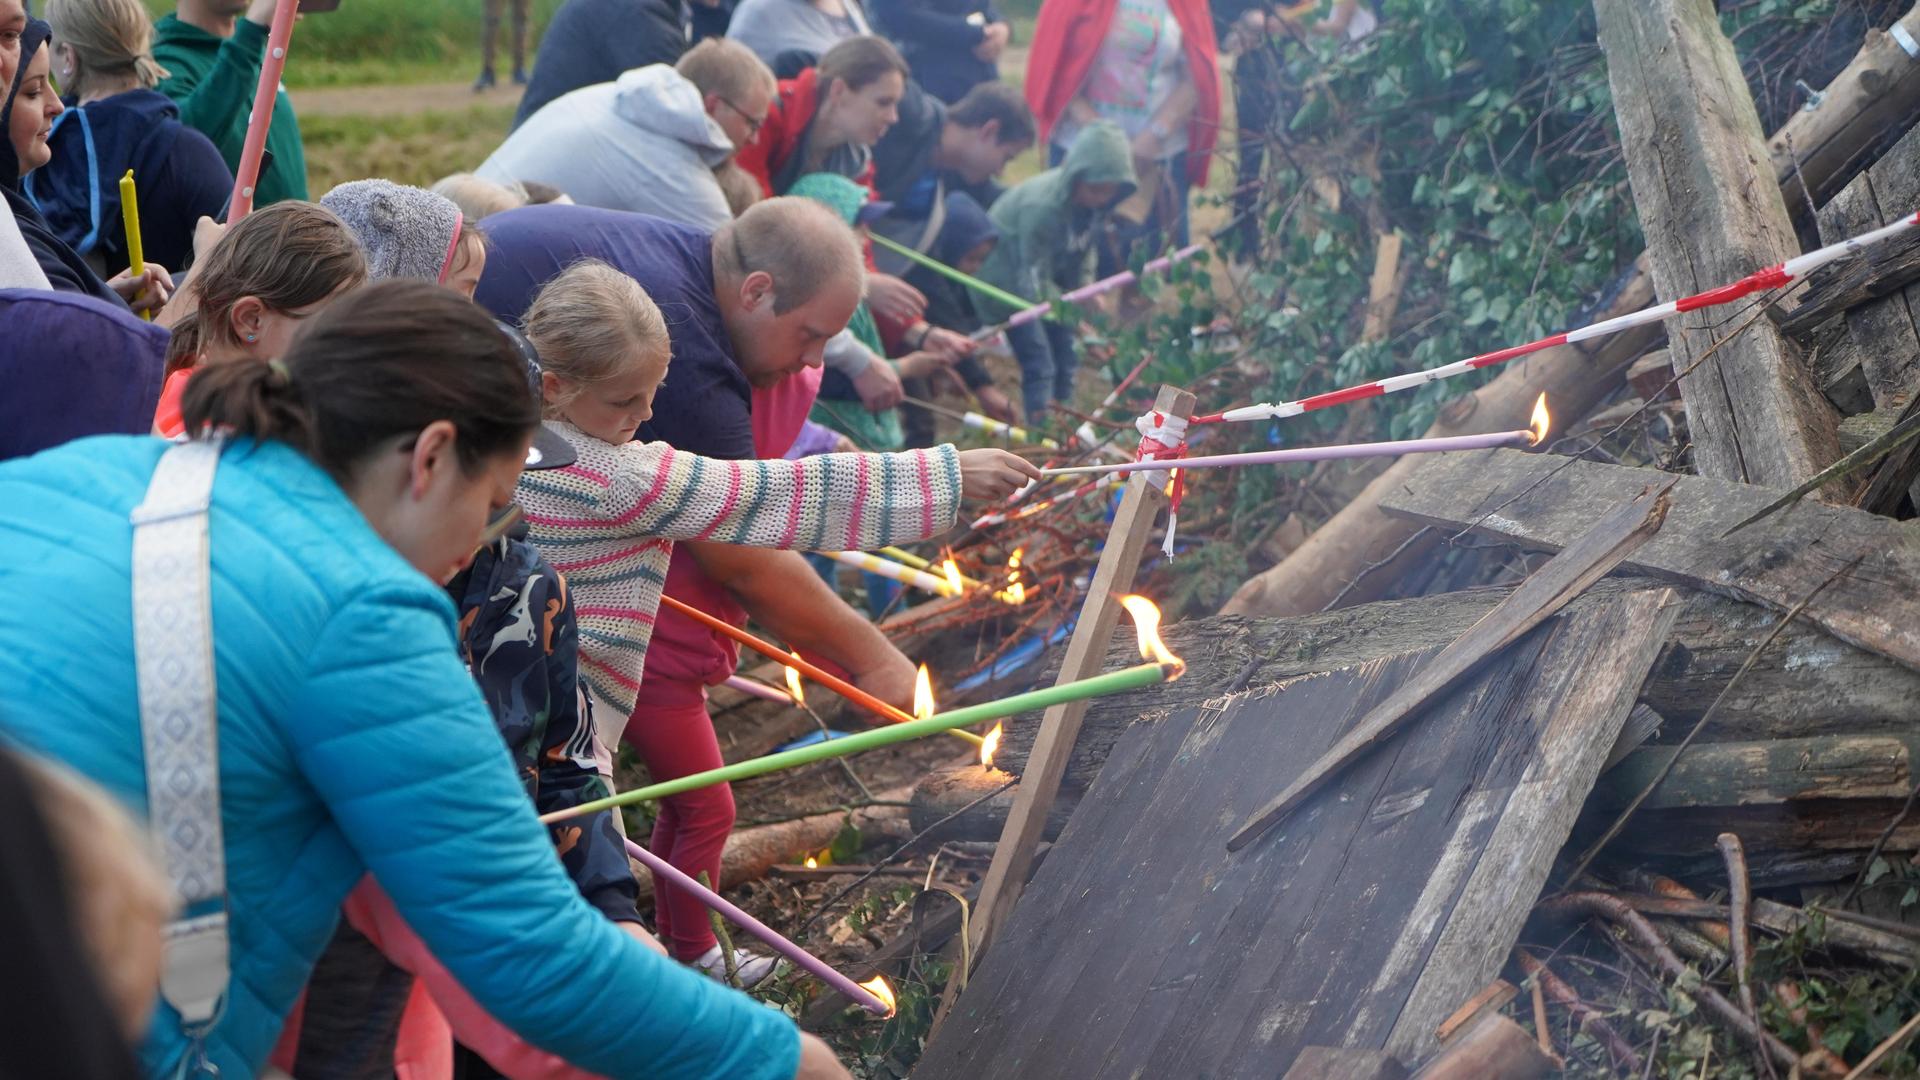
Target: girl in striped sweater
column 608, row 523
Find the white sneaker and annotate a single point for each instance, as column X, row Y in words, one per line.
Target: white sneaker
column 751, row 970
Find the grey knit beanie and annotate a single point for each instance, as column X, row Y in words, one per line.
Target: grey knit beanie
column 407, row 232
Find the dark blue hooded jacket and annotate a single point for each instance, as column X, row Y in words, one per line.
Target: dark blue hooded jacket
column 74, row 366
column 180, row 175
column 66, row 271
column 966, row 227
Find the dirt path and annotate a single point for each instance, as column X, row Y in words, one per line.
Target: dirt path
column 399, row 100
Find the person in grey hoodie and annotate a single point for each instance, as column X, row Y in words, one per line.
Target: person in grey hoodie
column 648, row 142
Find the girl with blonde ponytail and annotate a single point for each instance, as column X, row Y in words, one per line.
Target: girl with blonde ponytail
column 102, row 57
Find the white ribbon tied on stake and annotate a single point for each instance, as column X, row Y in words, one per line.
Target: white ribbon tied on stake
column 1163, row 437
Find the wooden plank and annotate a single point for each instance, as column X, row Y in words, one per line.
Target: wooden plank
column 1086, row 651
column 1141, row 950
column 1809, row 683
column 1584, row 685
column 1545, row 502
column 1341, row 1063
column 1613, row 537
column 1492, row 997
column 1883, row 330
column 1877, row 92
column 1697, row 160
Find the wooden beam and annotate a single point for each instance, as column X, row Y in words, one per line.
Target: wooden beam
column 1359, row 536
column 1086, row 652
column 1697, row 159
column 1877, row 92
column 1546, row 502
column 1612, row 538
column 1584, row 687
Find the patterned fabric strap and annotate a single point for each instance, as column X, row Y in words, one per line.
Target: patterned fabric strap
column 173, row 651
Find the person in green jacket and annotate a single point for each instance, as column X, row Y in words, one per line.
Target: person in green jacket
column 212, row 55
column 1049, row 229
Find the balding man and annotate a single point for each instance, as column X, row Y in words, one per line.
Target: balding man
column 750, row 308
column 650, row 141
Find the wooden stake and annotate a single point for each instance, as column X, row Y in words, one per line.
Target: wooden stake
column 1040, row 782
column 1589, row 559
column 1697, row 160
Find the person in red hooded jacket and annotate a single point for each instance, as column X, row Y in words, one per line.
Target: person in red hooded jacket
column 1150, row 66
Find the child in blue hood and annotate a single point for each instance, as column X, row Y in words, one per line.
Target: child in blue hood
column 967, row 236
column 117, row 121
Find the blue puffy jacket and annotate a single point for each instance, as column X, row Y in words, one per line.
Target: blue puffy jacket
column 351, row 740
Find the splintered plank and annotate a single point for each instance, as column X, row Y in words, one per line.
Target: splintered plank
column 1545, row 502
column 1588, row 559
column 1143, row 948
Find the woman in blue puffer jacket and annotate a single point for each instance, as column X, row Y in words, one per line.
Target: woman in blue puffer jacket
column 360, row 475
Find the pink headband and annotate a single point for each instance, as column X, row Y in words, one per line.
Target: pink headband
column 453, row 245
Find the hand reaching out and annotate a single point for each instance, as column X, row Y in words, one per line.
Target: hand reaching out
column 990, row 474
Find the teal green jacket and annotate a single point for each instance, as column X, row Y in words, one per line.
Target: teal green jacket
column 213, row 80
column 1046, row 242
column 352, row 740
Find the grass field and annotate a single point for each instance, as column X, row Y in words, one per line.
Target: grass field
column 416, row 148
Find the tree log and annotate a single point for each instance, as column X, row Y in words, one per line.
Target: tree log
column 750, row 853
column 1884, row 329
column 1359, row 536
column 944, row 792
column 1809, row 683
column 1698, row 163
column 1876, row 93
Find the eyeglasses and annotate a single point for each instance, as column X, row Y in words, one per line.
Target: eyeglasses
column 753, row 125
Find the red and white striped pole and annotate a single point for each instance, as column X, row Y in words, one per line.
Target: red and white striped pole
column 247, row 176
column 1772, row 277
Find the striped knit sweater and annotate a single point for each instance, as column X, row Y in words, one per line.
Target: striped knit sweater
column 608, row 522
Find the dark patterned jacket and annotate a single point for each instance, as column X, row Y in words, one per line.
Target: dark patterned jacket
column 518, row 635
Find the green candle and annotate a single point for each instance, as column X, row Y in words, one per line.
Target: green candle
column 1111, row 683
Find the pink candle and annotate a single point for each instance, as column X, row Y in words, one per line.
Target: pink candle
column 759, row 689
column 1312, row 453
column 1085, row 292
column 861, row 996
column 255, row 145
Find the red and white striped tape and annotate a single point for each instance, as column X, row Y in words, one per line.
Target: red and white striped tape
column 1772, row 277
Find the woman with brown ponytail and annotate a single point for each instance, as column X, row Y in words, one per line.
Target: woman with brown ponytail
column 357, row 474
column 103, row 61
column 252, row 292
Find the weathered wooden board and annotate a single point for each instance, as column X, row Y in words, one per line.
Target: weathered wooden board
column 1704, row 191
column 1546, row 502
column 1808, row 683
column 1144, row 949
column 1884, row 330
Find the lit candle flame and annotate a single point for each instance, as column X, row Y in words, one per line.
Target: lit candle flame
column 812, row 862
column 1015, row 593
column 877, row 986
column 794, row 689
column 955, row 582
column 922, row 694
column 990, row 745
column 1542, row 421
column 1146, row 624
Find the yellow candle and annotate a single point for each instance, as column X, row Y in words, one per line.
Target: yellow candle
column 130, row 214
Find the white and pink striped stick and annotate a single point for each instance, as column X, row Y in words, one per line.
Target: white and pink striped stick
column 253, row 149
column 1772, row 277
column 1088, row 292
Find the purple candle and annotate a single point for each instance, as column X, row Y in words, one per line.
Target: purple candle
column 865, row 998
column 1311, row 453
column 759, row 689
